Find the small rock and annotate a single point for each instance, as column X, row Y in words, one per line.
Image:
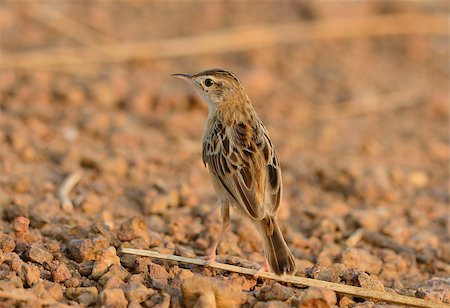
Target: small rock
column 20, row 226
column 205, row 288
column 31, row 274
column 331, row 273
column 82, row 250
column 106, row 258
column 159, row 300
column 158, row 274
column 393, row 265
column 137, row 292
column 318, row 297
column 241, row 281
column 14, row 261
column 7, row 243
column 134, row 228
column 276, row 292
column 83, row 295
column 72, row 283
column 116, row 270
column 59, row 271
column 85, row 268
column 116, row 166
column 436, row 290
column 141, row 264
column 91, row 205
column 184, row 251
column 55, row 290
column 38, row 254
column 180, row 275
column 369, row 282
column 113, row 282
column 271, row 304
column 302, row 266
column 361, row 259
column 158, row 203
column 113, row 298
column 346, row 301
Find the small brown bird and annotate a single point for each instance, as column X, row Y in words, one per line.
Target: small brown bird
column 242, row 162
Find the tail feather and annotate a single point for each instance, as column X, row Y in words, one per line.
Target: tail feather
column 277, row 252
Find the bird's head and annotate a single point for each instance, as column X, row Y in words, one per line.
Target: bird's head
column 216, row 86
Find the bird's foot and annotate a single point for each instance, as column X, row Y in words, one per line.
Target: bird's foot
column 264, row 268
column 210, row 258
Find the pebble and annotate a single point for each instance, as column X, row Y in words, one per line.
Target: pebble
column 20, row 226
column 276, row 292
column 331, row 273
column 134, row 228
column 91, row 205
column 370, row 282
column 394, row 265
column 158, row 274
column 38, row 254
column 106, row 258
column 83, row 295
column 318, row 297
column 158, row 204
column 180, row 275
column 55, row 290
column 271, row 304
column 436, row 290
column 116, row 270
column 7, row 243
column 117, row 166
column 346, row 301
column 82, row 250
column 160, row 300
column 113, row 282
column 137, row 292
column 31, row 274
column 113, row 298
column 361, row 259
column 211, row 291
column 72, row 283
column 59, row 271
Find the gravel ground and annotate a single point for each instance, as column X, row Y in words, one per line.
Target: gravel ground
column 360, row 126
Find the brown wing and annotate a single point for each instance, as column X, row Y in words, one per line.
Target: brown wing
column 274, row 185
column 238, row 160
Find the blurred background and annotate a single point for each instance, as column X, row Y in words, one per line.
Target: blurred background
column 355, row 96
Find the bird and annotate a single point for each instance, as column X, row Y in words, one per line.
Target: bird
column 242, row 162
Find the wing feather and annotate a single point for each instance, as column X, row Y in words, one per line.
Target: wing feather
column 244, row 165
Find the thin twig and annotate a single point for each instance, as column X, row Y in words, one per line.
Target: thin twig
column 68, row 184
column 242, row 38
column 339, row 288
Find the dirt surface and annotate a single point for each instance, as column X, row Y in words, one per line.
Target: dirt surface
column 360, row 126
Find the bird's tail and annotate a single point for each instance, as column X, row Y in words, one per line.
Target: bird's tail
column 277, row 252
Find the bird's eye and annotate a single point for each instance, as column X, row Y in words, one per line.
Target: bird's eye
column 208, row 82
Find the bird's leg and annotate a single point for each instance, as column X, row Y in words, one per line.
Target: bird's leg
column 225, row 209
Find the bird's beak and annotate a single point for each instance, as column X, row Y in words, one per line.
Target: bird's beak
column 183, row 77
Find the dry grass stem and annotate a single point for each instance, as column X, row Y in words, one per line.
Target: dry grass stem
column 67, row 186
column 339, row 288
column 234, row 39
